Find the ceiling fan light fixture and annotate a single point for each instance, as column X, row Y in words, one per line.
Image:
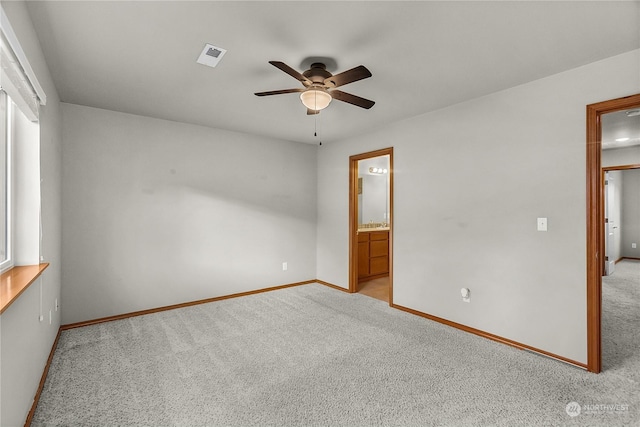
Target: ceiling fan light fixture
column 315, row 99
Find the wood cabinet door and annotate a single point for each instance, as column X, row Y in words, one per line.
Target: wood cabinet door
column 379, row 248
column 363, row 259
column 379, row 235
column 378, row 265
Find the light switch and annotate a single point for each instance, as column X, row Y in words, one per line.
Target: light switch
column 542, row 224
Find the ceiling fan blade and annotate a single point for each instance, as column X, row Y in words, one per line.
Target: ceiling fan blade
column 293, row 73
column 279, row 92
column 351, row 99
column 349, row 76
column 311, row 112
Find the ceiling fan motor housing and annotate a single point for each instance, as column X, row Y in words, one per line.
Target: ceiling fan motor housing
column 317, row 73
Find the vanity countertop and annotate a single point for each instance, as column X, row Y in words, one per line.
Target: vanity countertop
column 362, row 230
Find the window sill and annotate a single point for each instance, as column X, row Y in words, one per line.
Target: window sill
column 15, row 281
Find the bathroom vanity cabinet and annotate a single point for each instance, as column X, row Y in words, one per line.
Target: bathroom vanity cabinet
column 373, row 254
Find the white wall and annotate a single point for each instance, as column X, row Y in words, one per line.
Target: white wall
column 631, row 213
column 159, row 213
column 621, row 156
column 470, row 181
column 25, row 342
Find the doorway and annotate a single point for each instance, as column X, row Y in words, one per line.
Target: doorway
column 620, row 239
column 371, row 224
column 595, row 222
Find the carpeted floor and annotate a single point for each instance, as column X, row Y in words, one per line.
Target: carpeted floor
column 621, row 318
column 314, row 356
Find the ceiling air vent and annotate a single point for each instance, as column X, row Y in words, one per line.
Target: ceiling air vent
column 211, row 55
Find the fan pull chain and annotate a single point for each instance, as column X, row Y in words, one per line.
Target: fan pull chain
column 315, row 126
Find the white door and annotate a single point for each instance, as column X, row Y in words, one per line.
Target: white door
column 609, row 225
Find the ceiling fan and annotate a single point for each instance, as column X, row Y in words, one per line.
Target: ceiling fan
column 320, row 86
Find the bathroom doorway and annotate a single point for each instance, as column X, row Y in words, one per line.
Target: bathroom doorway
column 595, row 222
column 371, row 224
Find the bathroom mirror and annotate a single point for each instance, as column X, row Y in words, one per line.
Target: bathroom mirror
column 373, row 192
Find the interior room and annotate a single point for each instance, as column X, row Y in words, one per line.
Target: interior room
column 299, row 213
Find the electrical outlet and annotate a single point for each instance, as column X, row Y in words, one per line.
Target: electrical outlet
column 633, row 246
column 542, row 224
column 284, row 266
column 466, row 294
column 57, row 305
column 41, row 318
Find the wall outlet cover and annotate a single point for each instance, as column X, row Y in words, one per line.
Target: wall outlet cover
column 542, row 224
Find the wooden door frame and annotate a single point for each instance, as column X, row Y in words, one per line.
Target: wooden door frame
column 353, row 217
column 595, row 226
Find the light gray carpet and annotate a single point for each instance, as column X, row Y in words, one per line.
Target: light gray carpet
column 314, row 356
column 621, row 318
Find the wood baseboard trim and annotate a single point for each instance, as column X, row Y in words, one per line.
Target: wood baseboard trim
column 629, row 258
column 45, row 372
column 490, row 336
column 182, row 305
column 331, row 285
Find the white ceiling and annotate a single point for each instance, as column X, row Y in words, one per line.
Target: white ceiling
column 140, row 57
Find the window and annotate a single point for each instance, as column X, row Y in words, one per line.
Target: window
column 20, row 99
column 6, row 259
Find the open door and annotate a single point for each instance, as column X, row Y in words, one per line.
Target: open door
column 610, row 225
column 371, row 257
